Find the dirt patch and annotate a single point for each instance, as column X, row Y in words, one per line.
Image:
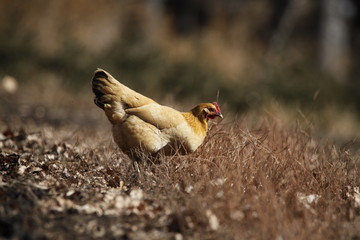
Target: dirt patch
column 266, row 183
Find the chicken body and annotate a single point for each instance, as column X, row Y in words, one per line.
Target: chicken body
column 140, row 123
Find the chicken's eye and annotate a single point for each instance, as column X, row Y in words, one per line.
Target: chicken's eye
column 211, row 109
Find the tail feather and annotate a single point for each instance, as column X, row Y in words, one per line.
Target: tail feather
column 107, row 92
column 114, row 97
column 100, row 88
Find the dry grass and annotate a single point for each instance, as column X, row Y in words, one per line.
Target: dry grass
column 262, row 183
column 62, row 177
column 254, row 183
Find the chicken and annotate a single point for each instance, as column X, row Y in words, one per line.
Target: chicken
column 141, row 124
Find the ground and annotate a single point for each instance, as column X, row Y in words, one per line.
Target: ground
column 66, row 179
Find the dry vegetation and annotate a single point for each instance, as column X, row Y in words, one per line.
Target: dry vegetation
column 62, row 177
column 247, row 181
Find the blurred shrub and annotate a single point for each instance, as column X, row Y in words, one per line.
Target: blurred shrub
column 304, row 85
column 146, row 66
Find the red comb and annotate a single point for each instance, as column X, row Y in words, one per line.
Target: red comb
column 217, row 106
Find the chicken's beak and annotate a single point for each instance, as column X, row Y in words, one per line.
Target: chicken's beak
column 220, row 115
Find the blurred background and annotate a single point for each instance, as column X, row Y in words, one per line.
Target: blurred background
column 283, row 57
